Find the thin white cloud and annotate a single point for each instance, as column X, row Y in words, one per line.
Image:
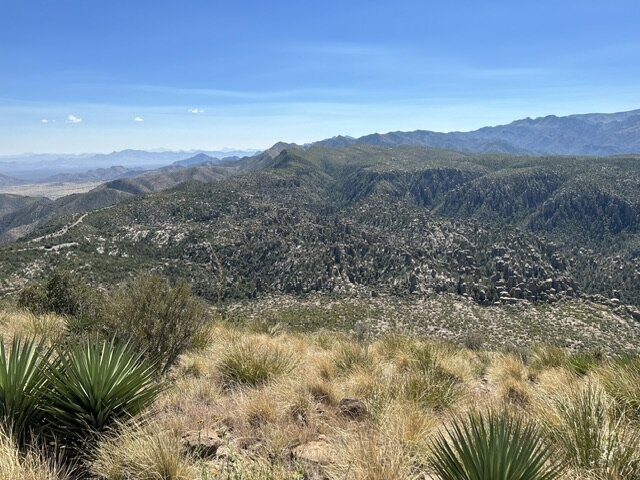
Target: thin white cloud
column 196, row 110
column 138, row 119
column 245, row 94
column 73, row 119
column 44, row 120
column 346, row 49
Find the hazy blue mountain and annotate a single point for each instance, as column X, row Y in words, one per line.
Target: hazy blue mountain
column 587, row 134
column 5, row 181
column 198, row 159
column 97, row 175
column 40, row 167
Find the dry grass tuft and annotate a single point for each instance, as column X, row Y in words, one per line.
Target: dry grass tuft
column 148, row 453
column 372, row 456
column 254, row 362
column 26, row 466
column 592, row 435
column 623, row 384
column 22, row 323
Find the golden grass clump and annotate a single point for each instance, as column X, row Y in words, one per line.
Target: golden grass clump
column 592, row 435
column 372, row 456
column 189, row 404
column 621, row 380
column 352, row 356
column 15, row 465
column 48, row 327
column 143, row 453
column 407, row 423
column 255, row 362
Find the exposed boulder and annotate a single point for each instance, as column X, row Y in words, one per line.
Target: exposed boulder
column 352, row 408
column 202, row 443
column 316, row 452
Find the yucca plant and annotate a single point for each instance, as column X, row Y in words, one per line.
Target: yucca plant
column 96, row 383
column 23, row 379
column 494, row 446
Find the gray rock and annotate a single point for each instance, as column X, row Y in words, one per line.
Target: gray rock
column 202, row 443
column 352, row 408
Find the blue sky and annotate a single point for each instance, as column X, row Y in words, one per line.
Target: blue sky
column 80, row 76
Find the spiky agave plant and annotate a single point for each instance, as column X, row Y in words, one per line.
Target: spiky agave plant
column 95, row 384
column 494, row 446
column 23, row 379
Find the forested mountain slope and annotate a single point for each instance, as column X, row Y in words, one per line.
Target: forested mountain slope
column 370, row 220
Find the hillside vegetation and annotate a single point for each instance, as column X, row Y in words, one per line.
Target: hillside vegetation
column 19, row 219
column 368, row 220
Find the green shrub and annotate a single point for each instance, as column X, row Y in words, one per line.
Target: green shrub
column 95, row 384
column 34, row 298
column 23, row 380
column 64, row 294
column 160, row 320
column 493, row 446
column 253, row 364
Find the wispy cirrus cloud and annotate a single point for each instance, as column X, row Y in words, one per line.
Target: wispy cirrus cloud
column 196, row 110
column 250, row 95
column 342, row 49
column 138, row 119
column 502, row 72
column 73, row 119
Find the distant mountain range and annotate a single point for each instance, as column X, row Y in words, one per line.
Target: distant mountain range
column 5, row 180
column 96, row 175
column 598, row 134
column 588, row 134
column 592, row 134
column 41, row 167
column 118, row 171
column 202, row 158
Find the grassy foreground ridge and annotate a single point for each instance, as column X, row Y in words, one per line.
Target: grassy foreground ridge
column 248, row 400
